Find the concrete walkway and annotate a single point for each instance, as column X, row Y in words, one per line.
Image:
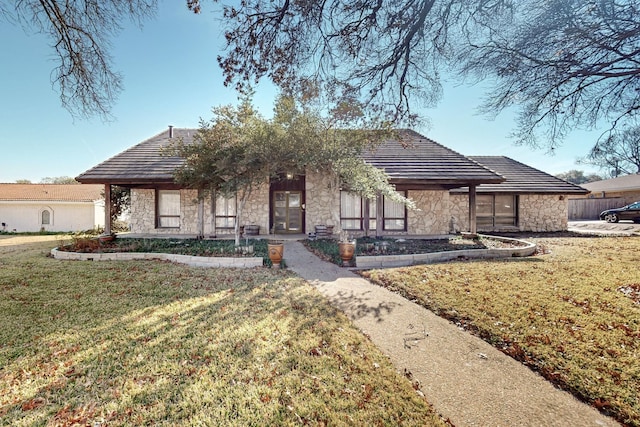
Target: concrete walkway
column 466, row 379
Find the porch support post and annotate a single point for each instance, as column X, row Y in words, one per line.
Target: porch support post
column 107, row 209
column 213, row 214
column 379, row 214
column 365, row 216
column 472, row 210
column 200, row 215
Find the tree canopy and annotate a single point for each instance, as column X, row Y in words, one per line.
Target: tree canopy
column 578, row 177
column 238, row 150
column 618, row 154
column 80, row 34
column 563, row 64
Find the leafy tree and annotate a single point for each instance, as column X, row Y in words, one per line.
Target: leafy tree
column 23, row 181
column 239, row 150
column 120, row 201
column 619, row 153
column 578, row 177
column 58, row 180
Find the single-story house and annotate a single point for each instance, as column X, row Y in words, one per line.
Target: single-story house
column 603, row 195
column 51, row 207
column 447, row 187
column 625, row 187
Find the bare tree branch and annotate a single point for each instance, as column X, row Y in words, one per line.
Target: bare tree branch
column 80, row 34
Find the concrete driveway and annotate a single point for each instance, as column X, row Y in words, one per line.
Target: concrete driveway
column 622, row 228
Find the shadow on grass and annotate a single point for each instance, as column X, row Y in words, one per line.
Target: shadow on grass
column 133, row 343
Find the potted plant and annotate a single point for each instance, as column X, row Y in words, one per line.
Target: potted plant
column 346, row 249
column 275, row 250
column 104, row 238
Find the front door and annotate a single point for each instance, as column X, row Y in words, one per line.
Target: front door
column 287, row 211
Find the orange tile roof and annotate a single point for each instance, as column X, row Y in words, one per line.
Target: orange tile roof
column 51, row 192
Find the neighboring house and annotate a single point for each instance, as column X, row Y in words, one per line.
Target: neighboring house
column 625, row 187
column 420, row 169
column 51, row 207
column 605, row 194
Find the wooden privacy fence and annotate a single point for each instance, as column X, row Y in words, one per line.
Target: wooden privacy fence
column 591, row 208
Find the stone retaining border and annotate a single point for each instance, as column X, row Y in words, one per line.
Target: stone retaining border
column 194, row 261
column 387, row 261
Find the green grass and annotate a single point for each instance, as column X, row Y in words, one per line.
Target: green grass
column 573, row 314
column 140, row 343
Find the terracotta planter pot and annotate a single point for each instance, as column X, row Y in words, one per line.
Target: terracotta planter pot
column 107, row 238
column 346, row 250
column 276, row 252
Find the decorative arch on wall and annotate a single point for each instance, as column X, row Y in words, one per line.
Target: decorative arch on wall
column 45, row 217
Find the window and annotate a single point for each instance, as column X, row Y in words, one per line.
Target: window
column 394, row 215
column 350, row 211
column 496, row 210
column 46, row 217
column 353, row 208
column 168, row 208
column 225, row 212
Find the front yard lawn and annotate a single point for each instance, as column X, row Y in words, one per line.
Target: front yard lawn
column 572, row 314
column 154, row 343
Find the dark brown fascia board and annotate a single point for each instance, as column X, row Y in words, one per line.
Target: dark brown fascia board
column 129, row 182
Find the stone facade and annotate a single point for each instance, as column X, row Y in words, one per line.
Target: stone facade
column 322, row 201
column 437, row 213
column 432, row 214
column 458, row 213
column 143, row 212
column 536, row 212
column 256, row 208
column 540, row 212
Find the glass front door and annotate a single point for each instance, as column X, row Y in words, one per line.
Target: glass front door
column 287, row 211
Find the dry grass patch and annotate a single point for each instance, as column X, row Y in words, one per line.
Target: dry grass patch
column 570, row 314
column 140, row 343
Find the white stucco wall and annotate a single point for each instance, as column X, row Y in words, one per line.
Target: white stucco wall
column 25, row 216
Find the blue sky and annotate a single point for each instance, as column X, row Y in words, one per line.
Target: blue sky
column 171, row 78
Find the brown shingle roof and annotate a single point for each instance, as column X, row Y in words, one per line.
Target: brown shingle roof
column 411, row 161
column 51, row 192
column 142, row 163
column 522, row 178
column 414, row 158
column 621, row 183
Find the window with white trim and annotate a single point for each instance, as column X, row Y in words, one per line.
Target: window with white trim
column 168, row 202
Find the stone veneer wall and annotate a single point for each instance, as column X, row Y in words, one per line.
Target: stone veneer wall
column 322, row 201
column 143, row 212
column 538, row 212
column 543, row 212
column 432, row 215
column 256, row 209
column 458, row 213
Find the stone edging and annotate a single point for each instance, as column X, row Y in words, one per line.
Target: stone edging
column 386, row 261
column 194, row 261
